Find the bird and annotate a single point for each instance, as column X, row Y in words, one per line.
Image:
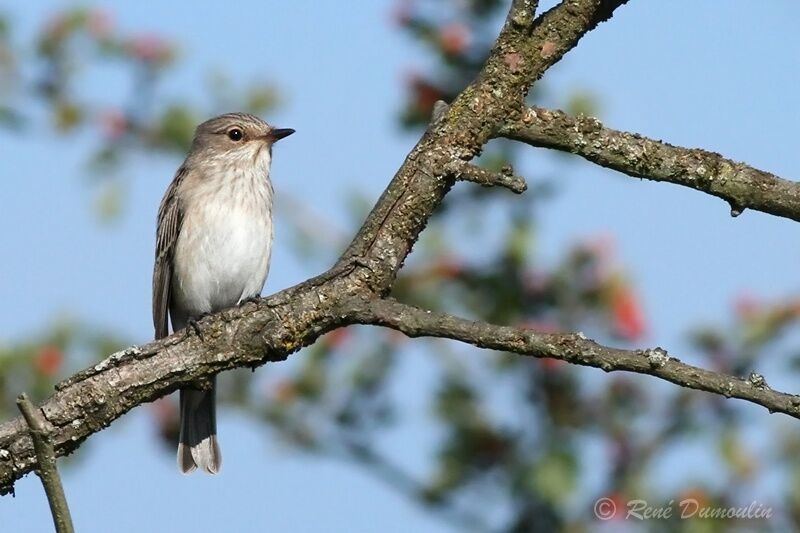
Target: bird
column 213, row 248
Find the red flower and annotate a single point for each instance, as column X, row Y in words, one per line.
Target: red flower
column 48, row 360
column 454, row 38
column 696, row 494
column 425, row 94
column 337, row 337
column 551, row 365
column 626, row 311
column 620, row 504
column 447, row 268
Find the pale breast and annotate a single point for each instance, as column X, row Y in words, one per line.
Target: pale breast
column 223, row 250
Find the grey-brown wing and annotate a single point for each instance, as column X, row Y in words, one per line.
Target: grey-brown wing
column 170, row 215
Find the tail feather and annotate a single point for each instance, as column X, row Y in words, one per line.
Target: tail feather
column 197, row 445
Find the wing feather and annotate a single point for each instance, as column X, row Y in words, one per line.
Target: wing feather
column 170, row 217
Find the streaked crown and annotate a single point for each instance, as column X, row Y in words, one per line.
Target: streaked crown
column 223, row 123
column 233, row 130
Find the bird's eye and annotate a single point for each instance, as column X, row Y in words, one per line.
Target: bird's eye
column 235, row 134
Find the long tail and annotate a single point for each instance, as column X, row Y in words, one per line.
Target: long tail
column 197, row 445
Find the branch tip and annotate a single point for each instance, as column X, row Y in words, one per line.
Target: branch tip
column 440, row 108
column 463, row 171
column 46, row 458
column 522, row 12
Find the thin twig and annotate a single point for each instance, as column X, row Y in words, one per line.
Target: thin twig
column 48, row 472
column 505, row 178
column 574, row 348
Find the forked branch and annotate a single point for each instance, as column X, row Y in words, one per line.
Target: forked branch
column 741, row 185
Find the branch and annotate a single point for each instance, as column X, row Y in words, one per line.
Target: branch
column 245, row 336
column 463, row 171
column 273, row 328
column 742, row 186
column 542, row 42
column 487, row 178
column 573, row 348
column 525, row 49
column 46, row 458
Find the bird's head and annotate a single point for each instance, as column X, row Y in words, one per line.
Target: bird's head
column 236, row 137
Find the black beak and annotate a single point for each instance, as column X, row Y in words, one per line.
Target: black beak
column 279, row 133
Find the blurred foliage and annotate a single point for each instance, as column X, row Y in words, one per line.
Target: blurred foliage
column 35, row 363
column 519, row 444
column 77, row 43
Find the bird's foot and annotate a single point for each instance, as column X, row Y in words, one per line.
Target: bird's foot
column 251, row 300
column 193, row 323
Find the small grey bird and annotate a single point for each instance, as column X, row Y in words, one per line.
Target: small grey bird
column 213, row 247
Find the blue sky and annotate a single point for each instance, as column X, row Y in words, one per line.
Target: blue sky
column 697, row 73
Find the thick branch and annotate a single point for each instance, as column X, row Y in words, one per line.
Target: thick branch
column 525, row 49
column 246, row 336
column 46, row 459
column 573, row 348
column 742, row 186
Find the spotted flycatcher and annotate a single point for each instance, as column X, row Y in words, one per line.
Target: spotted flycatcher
column 213, row 247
